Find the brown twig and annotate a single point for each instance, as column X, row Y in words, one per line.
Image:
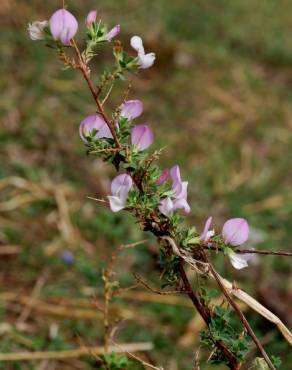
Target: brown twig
column 156, row 291
column 86, row 74
column 206, row 314
column 252, row 251
column 242, row 317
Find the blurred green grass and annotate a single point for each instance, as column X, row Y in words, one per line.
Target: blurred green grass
column 219, row 96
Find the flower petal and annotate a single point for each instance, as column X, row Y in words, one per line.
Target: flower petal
column 137, row 44
column 63, row 26
column 163, row 177
column 181, row 204
column 205, row 236
column 116, row 203
column 235, row 231
column 166, row 207
column 113, row 33
column 95, row 121
column 131, row 109
column 91, row 18
column 238, row 260
column 146, row 60
column 121, row 186
column 142, row 136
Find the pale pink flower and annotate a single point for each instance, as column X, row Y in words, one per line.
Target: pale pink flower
column 120, row 187
column 131, row 109
column 179, row 198
column 94, row 122
column 207, row 233
column 91, row 18
column 113, row 33
column 235, row 231
column 63, row 26
column 142, row 137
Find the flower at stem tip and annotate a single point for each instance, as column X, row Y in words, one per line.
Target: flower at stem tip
column 120, row 187
column 112, row 33
column 144, row 61
column 142, row 137
column 91, row 18
column 97, row 123
column 63, row 26
column 36, row 30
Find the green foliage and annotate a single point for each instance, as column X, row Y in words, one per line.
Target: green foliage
column 114, row 361
column 221, row 328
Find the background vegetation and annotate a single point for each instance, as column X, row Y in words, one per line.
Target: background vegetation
column 219, row 96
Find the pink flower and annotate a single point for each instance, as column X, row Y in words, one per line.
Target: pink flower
column 235, row 231
column 94, row 122
column 142, row 137
column 166, row 206
column 163, row 177
column 91, row 18
column 179, row 198
column 120, row 187
column 131, row 109
column 207, row 233
column 63, row 26
column 143, row 60
column 113, row 33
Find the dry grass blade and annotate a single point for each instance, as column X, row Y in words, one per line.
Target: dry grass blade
column 238, row 293
column 74, row 353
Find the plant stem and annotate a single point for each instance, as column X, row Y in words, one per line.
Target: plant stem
column 242, row 317
column 206, row 314
column 86, row 74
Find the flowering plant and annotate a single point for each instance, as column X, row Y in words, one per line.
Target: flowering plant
column 156, row 198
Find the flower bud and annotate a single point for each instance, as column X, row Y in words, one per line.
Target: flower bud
column 207, row 233
column 112, row 33
column 91, row 18
column 131, row 109
column 235, row 231
column 142, row 137
column 163, row 177
column 94, row 122
column 63, row 26
column 36, row 30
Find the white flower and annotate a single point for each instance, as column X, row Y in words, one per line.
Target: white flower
column 144, row 60
column 238, row 260
column 36, row 30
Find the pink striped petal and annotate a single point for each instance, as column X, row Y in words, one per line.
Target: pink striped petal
column 131, row 109
column 63, row 26
column 142, row 137
column 235, row 231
